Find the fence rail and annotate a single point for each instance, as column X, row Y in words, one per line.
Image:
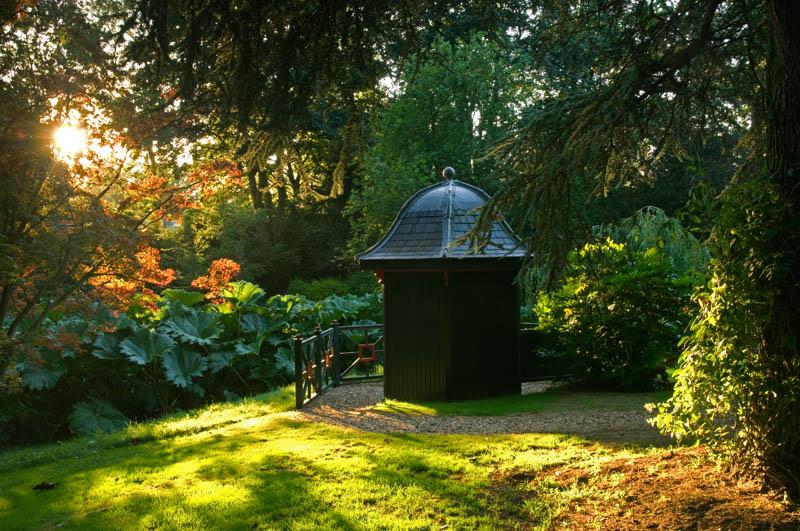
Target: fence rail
column 336, row 355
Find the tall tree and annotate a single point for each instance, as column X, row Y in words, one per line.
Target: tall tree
column 77, row 196
column 657, row 78
column 447, row 109
column 279, row 74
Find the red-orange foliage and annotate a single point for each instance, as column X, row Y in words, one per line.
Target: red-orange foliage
column 220, row 273
column 149, row 259
column 169, row 199
column 119, row 288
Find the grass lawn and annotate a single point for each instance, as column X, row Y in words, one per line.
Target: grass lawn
column 250, row 466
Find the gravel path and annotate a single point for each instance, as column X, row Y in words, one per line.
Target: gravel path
column 349, row 406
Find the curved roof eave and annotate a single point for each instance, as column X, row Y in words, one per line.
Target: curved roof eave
column 445, row 250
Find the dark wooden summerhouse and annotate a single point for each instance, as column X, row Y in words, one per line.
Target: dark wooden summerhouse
column 451, row 313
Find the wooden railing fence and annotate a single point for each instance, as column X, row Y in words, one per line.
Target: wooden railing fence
column 336, row 355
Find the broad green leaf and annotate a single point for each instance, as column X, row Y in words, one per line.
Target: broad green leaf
column 254, row 323
column 123, row 322
column 195, row 328
column 251, row 347
column 188, row 298
column 96, row 416
column 146, row 345
column 242, row 293
column 75, row 324
column 284, row 361
column 221, row 359
column 106, row 347
column 181, row 365
column 224, row 308
column 276, row 339
column 43, row 375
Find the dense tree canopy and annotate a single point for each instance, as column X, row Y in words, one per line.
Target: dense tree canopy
column 448, row 110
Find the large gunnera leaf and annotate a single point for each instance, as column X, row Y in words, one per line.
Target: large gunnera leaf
column 254, row 323
column 284, row 361
column 146, row 345
column 187, row 298
column 43, row 373
column 243, row 293
column 221, row 359
column 181, row 365
column 195, row 328
column 96, row 416
column 106, row 347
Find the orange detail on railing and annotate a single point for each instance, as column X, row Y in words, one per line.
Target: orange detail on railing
column 309, row 371
column 328, row 357
column 362, row 348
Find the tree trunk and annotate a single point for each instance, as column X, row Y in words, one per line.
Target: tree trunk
column 5, row 299
column 255, row 191
column 782, row 455
column 783, row 95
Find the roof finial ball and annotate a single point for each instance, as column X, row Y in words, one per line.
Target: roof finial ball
column 449, row 173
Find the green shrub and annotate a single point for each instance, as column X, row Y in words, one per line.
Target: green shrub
column 621, row 312
column 318, row 289
column 360, row 283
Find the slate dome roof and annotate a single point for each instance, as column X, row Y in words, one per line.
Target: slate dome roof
column 431, row 223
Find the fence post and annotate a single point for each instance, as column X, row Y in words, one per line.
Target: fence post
column 335, row 361
column 318, row 360
column 299, row 395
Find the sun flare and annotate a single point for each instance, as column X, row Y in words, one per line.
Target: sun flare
column 70, row 140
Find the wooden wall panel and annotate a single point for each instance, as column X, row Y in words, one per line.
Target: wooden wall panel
column 451, row 342
column 416, row 349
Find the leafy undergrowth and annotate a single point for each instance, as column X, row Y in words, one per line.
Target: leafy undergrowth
column 251, row 465
column 557, row 400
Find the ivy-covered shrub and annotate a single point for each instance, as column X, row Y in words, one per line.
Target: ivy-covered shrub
column 621, row 312
column 738, row 383
column 97, row 372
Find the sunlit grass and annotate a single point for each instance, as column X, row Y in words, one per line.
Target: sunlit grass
column 205, row 420
column 245, row 465
column 552, row 401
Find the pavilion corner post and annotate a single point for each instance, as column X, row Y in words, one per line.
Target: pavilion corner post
column 299, row 395
column 317, row 360
column 335, row 362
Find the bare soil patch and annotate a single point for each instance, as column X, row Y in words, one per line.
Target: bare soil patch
column 674, row 489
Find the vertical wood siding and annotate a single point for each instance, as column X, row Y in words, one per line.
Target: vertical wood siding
column 451, row 342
